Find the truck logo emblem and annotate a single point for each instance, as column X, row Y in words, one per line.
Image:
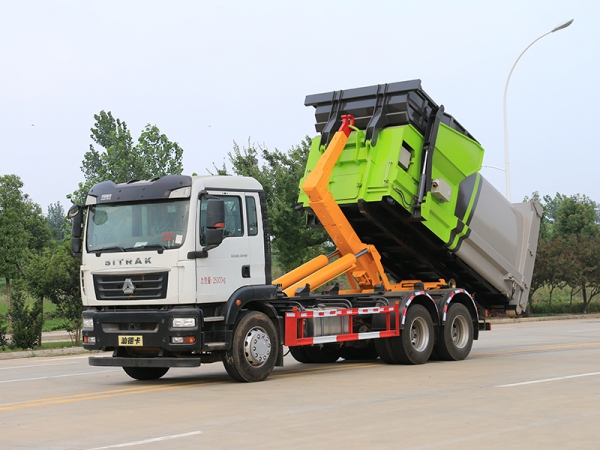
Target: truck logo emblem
column 128, row 286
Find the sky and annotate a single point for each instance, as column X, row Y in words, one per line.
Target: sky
column 211, row 73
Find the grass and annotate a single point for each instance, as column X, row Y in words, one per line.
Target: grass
column 52, row 319
column 561, row 303
column 46, row 346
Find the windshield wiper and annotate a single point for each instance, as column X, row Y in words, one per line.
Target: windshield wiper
column 158, row 247
column 111, row 248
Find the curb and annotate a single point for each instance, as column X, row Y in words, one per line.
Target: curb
column 42, row 353
column 500, row 320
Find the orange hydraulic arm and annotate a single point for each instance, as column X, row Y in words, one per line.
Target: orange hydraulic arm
column 360, row 262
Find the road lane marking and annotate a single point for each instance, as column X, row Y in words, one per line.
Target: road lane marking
column 57, row 376
column 326, row 369
column 78, row 397
column 148, row 441
column 37, row 365
column 534, row 349
column 295, row 372
column 98, row 395
column 546, row 380
column 162, row 387
column 46, row 358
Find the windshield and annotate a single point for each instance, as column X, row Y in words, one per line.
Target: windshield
column 139, row 226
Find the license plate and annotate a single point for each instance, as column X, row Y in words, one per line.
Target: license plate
column 131, row 341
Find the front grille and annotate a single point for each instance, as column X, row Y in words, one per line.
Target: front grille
column 148, row 286
column 129, row 326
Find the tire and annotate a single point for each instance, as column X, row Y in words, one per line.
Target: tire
column 384, row 345
column 145, row 373
column 367, row 353
column 435, row 356
column 385, row 351
column 299, row 354
column 456, row 336
column 322, row 354
column 415, row 343
column 254, row 348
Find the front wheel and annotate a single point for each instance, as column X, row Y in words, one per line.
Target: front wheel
column 456, row 339
column 253, row 352
column 145, row 373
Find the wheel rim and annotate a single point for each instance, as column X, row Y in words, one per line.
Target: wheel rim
column 419, row 334
column 460, row 331
column 257, row 346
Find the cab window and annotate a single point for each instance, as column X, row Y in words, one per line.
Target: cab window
column 234, row 225
column 251, row 216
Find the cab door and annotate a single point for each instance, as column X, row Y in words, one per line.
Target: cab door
column 226, row 267
column 257, row 251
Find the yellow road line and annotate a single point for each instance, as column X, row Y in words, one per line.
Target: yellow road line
column 157, row 388
column 297, row 372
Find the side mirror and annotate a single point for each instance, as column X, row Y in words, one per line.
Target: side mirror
column 76, row 215
column 215, row 222
column 76, row 244
column 215, row 213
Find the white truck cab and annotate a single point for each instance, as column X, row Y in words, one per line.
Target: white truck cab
column 161, row 258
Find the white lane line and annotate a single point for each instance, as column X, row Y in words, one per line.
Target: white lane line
column 50, row 358
column 58, row 376
column 546, row 380
column 148, row 441
column 37, row 365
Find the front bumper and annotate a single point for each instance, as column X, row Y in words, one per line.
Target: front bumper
column 142, row 329
column 117, row 361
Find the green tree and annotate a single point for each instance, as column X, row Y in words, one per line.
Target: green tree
column 27, row 321
column 37, row 276
column 57, row 221
column 550, row 216
column 15, row 209
column 3, row 331
column 36, row 225
column 293, row 241
column 583, row 267
column 577, row 214
column 569, row 246
column 55, row 275
column 119, row 160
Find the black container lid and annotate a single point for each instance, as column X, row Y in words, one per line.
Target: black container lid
column 377, row 107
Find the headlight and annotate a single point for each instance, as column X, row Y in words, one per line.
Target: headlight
column 88, row 323
column 184, row 322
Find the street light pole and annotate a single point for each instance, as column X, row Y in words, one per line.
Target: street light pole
column 506, row 162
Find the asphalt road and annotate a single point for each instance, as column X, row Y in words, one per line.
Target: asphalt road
column 527, row 385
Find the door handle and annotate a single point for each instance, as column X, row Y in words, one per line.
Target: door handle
column 246, row 271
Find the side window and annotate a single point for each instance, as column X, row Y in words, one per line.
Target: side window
column 251, row 216
column 234, row 225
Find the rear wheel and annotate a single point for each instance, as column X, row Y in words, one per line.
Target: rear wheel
column 146, row 373
column 385, row 351
column 368, row 352
column 415, row 343
column 322, row 354
column 456, row 337
column 253, row 351
column 384, row 345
